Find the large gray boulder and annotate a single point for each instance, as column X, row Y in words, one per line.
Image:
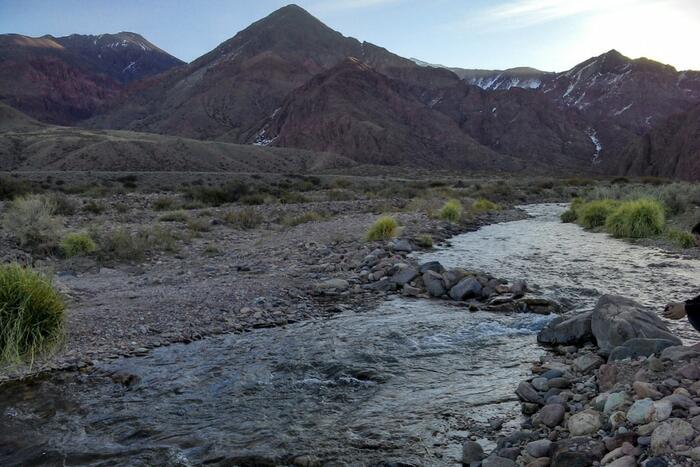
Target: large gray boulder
column 404, row 276
column 434, row 283
column 639, row 347
column 567, row 330
column 469, row 287
column 615, row 320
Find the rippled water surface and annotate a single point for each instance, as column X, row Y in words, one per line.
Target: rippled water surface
column 401, row 383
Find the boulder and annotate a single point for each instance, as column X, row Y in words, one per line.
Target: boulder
column 403, row 246
column 587, row 362
column 551, row 415
column 528, row 393
column 434, row 283
column 668, row 436
column 567, row 330
column 641, row 412
column 539, row 448
column 334, row 284
column 679, row 353
column 472, row 452
column 453, row 276
column 434, row 266
column 615, row 320
column 639, row 347
column 584, row 423
column 645, row 390
column 496, row 461
column 404, row 276
column 614, row 402
column 468, row 287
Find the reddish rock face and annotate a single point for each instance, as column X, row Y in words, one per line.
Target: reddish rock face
column 67, row 79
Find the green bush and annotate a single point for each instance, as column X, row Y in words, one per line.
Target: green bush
column 31, row 221
column 681, row 238
column 424, row 241
column 245, row 220
column 78, row 244
column 594, row 213
column 451, row 211
column 31, row 314
column 641, row 218
column 484, row 205
column 568, row 216
column 384, row 228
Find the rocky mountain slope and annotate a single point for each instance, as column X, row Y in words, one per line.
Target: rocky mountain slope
column 67, row 79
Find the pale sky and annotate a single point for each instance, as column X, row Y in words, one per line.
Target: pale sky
column 552, row 35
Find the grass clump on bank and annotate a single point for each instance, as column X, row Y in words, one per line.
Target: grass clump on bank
column 78, row 244
column 451, row 211
column 31, row 314
column 680, row 238
column 384, row 228
column 484, row 205
column 641, row 218
column 594, row 213
column 31, row 221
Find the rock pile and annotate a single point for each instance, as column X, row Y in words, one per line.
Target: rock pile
column 630, row 400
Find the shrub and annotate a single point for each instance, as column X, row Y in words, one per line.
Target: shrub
column 254, row 199
column 594, row 213
column 31, row 313
column 120, row 244
column 293, row 197
column 340, row 195
column 78, row 244
column 163, row 203
column 245, row 220
column 681, row 238
column 292, row 221
column 30, row 219
column 636, row 219
column 10, row 189
column 174, row 216
column 424, row 241
column 198, row 225
column 484, row 205
column 94, row 207
column 63, row 204
column 229, row 193
column 383, row 229
column 451, row 211
column 568, row 216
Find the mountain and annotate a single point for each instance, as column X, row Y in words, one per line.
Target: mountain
column 28, row 145
column 67, row 79
column 226, row 93
column 493, row 80
column 356, row 111
column 671, row 150
column 623, row 98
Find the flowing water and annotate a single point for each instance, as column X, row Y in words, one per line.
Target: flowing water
column 403, row 383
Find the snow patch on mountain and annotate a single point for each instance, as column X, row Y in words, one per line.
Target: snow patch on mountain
column 593, row 135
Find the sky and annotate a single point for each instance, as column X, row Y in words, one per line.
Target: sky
column 552, row 35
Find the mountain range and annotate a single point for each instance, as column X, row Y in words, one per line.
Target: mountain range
column 289, row 80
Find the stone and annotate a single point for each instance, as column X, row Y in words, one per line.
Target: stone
column 626, row 461
column 541, row 462
column 567, row 330
column 411, row 291
column 671, row 434
column 468, row 287
column 679, row 353
column 472, row 452
column 551, row 415
column 615, row 320
column 584, row 423
column 559, row 383
column 549, row 374
column 403, row 246
column 587, row 362
column 452, row 277
column 541, row 384
column 689, row 371
column 641, row 412
column 662, row 410
column 527, row 393
column 617, row 419
column 307, row 461
column 646, row 390
column 434, row 266
column 434, row 283
column 577, row 452
column 539, row 448
column 334, row 284
column 497, row 461
column 639, row 347
column 382, row 285
column 679, row 401
column 656, row 462
column 509, row 453
column 614, row 402
column 518, row 288
column 404, row 276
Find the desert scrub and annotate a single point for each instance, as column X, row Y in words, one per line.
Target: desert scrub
column 245, row 219
column 198, row 224
column 122, row 245
column 451, row 211
column 10, row 189
column 424, row 241
column 31, row 314
column 484, row 205
column 680, row 238
column 174, row 216
column 595, row 213
column 640, row 218
column 384, row 228
column 63, row 204
column 30, row 219
column 93, row 207
column 78, row 244
column 292, row 221
column 164, row 203
column 229, row 193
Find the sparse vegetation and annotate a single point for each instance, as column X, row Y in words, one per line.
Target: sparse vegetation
column 245, row 219
column 484, row 205
column 31, row 314
column 636, row 219
column 594, row 213
column 216, row 196
column 384, row 228
column 78, row 244
column 164, row 203
column 198, row 224
column 680, row 238
column 292, row 221
column 93, row 207
column 451, row 211
column 174, row 216
column 10, row 189
column 424, row 241
column 31, row 221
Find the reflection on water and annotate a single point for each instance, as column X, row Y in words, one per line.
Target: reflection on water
column 401, row 383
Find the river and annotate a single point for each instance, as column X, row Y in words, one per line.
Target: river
column 402, row 384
